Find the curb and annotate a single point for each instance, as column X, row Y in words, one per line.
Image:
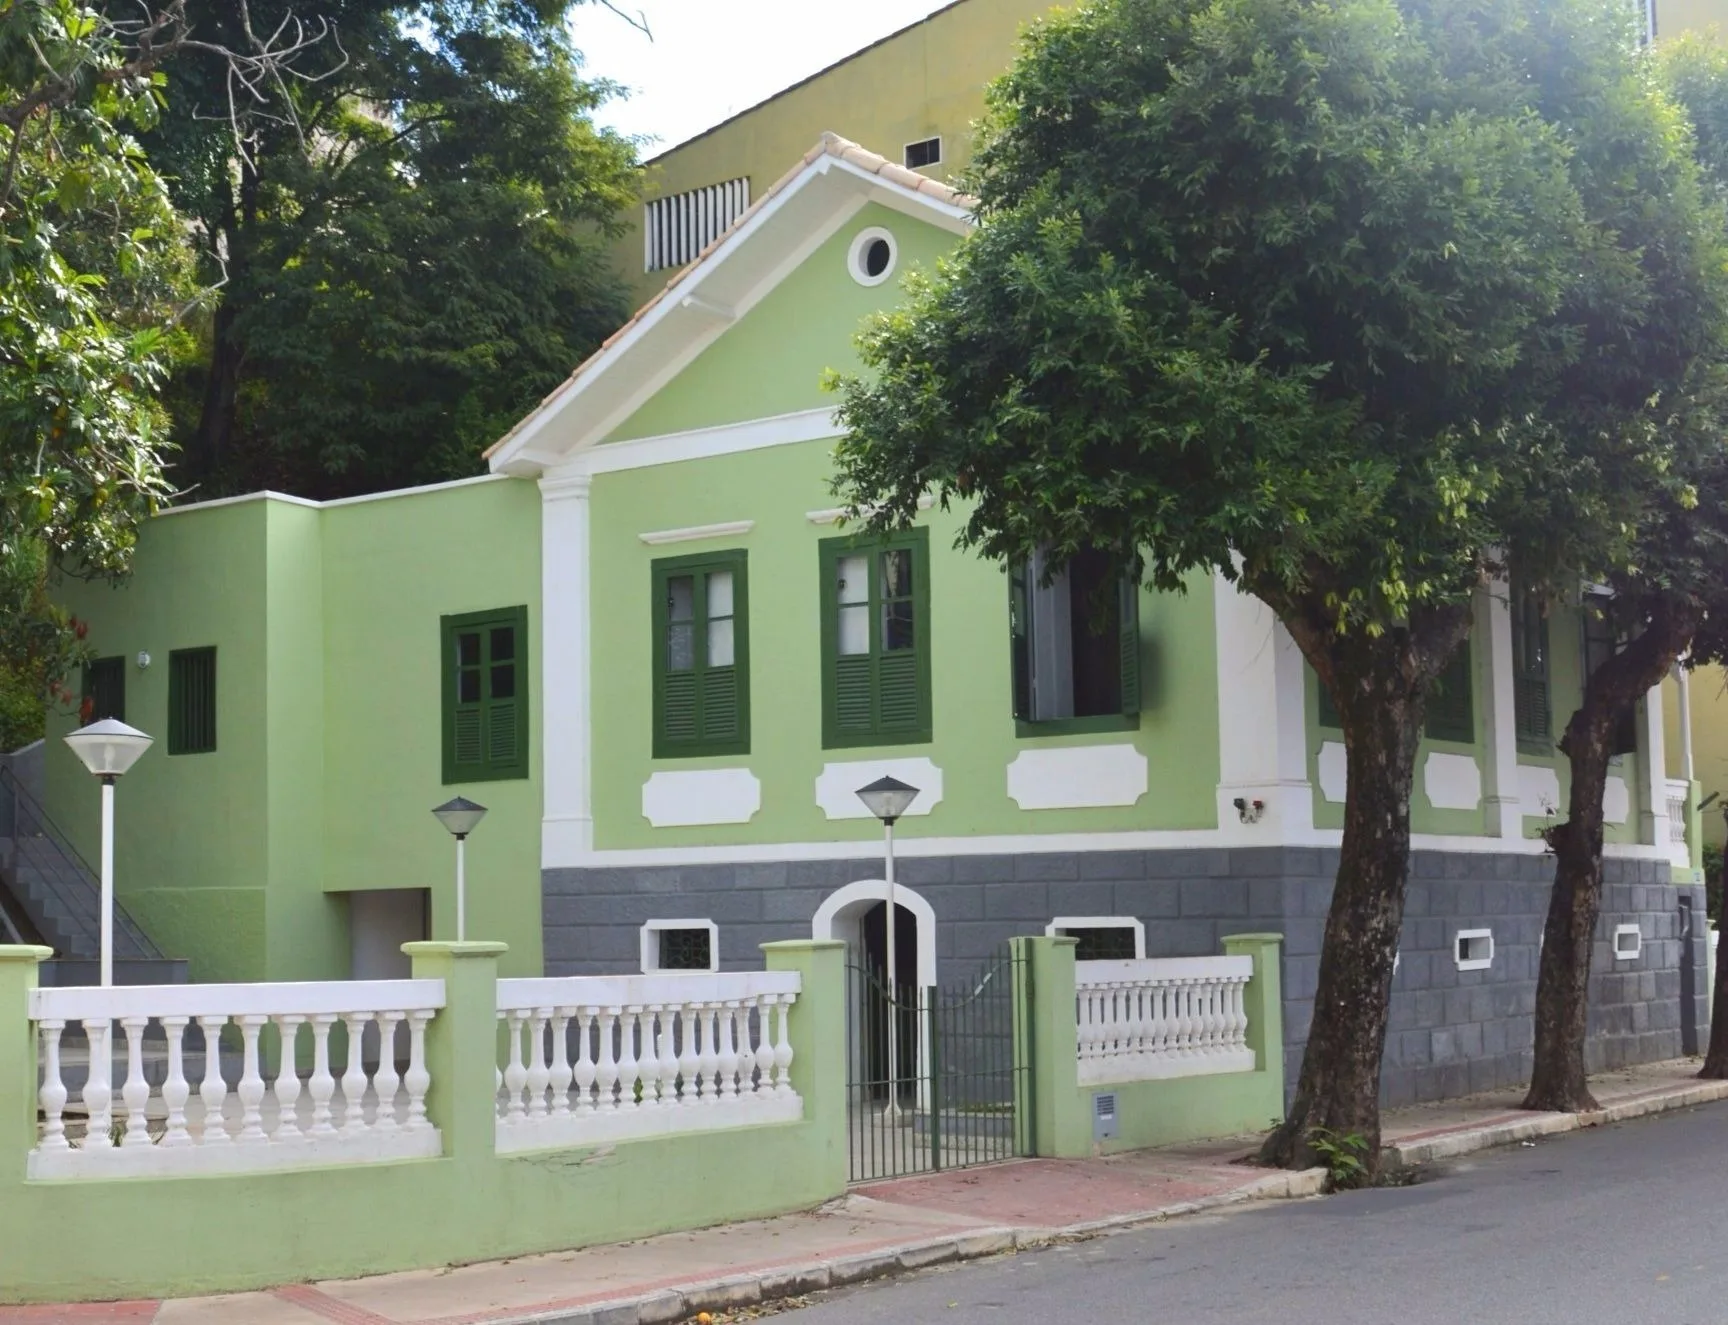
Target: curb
column 666, row 1306
column 1469, row 1140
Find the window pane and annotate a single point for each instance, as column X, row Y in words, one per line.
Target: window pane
column 897, row 573
column 897, row 626
column 854, row 580
column 468, row 686
column 719, row 593
column 504, row 681
column 503, row 643
column 720, row 643
column 855, row 629
column 680, row 598
column 681, row 646
column 468, row 649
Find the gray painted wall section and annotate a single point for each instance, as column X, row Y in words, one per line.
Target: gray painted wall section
column 1450, row 1032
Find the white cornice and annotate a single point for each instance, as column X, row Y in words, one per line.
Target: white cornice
column 695, row 532
column 288, row 500
column 809, row 425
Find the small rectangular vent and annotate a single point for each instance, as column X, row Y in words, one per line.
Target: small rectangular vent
column 1104, row 1116
column 923, row 154
column 1473, row 949
column 678, row 228
column 1628, row 943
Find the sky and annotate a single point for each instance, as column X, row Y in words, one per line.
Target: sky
column 713, row 58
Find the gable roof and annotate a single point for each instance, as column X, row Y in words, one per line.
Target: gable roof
column 833, row 181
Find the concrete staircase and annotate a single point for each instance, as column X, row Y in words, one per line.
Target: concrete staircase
column 49, row 895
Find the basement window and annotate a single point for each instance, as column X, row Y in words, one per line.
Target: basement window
column 1102, row 938
column 1473, row 949
column 1628, row 943
column 680, row 945
column 927, row 152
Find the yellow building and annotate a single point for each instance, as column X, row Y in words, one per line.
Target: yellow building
column 911, row 97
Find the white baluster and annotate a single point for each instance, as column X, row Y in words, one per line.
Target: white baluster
column 585, row 1067
column 1239, row 1015
column 286, row 1087
column 322, row 1085
column 515, row 1075
column 385, row 1079
column 607, row 1075
column 648, row 1066
column 352, row 1119
column 1216, row 1032
column 539, row 1071
column 53, row 1095
column 666, row 1053
column 136, row 1091
column 631, row 1087
column 418, row 1080
column 561, row 1072
column 498, row 1077
column 728, row 1058
column 746, row 1054
column 213, row 1090
column 251, row 1090
column 783, row 1048
column 709, row 1014
column 99, row 1086
column 175, row 1091
column 689, row 1060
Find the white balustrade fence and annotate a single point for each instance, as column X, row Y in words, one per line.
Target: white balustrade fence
column 1166, row 1017
column 175, row 1125
column 1678, row 852
column 604, row 1058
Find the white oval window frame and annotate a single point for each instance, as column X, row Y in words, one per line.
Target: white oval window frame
column 861, row 242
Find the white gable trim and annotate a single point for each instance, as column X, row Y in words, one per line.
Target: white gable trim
column 811, row 425
column 710, row 316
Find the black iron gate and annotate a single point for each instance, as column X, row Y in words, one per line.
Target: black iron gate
column 940, row 1076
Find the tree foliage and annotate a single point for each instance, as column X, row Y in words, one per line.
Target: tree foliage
column 1315, row 297
column 409, row 259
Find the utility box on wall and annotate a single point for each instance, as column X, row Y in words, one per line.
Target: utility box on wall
column 1104, row 1126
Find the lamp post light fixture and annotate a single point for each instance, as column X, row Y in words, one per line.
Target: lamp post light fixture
column 108, row 748
column 888, row 798
column 461, row 816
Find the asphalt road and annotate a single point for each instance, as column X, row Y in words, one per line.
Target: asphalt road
column 1621, row 1225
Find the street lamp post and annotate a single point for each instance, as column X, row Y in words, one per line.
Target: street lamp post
column 108, row 748
column 888, row 798
column 461, row 816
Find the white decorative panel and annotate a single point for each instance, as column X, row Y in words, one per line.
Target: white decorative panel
column 1538, row 791
column 1616, row 800
column 837, row 786
column 701, row 796
column 1077, row 777
column 1334, row 771
column 1453, row 782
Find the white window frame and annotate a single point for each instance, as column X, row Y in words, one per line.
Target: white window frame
column 650, row 944
column 861, row 242
column 918, row 142
column 1472, row 963
column 1620, row 932
column 1061, row 923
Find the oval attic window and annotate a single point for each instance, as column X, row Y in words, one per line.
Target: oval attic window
column 872, row 257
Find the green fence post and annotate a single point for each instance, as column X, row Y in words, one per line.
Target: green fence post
column 1694, row 832
column 816, row 1031
column 1263, row 1001
column 17, row 1057
column 1061, row 1123
column 462, row 1044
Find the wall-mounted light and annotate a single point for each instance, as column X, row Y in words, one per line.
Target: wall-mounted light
column 143, row 660
column 1248, row 811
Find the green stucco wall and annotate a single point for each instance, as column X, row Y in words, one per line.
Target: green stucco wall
column 328, row 758
column 974, row 730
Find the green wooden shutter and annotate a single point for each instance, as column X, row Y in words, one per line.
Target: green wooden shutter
column 1451, row 715
column 105, row 690
column 484, row 664
column 192, row 701
column 1325, row 711
column 702, row 709
column 1020, row 640
column 1531, row 707
column 881, row 696
column 1130, row 647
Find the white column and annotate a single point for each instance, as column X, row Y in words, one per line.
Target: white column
column 1653, row 751
column 568, row 826
column 1683, row 689
column 1262, row 724
column 1502, row 808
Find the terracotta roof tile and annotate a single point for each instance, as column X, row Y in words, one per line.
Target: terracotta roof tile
column 830, row 144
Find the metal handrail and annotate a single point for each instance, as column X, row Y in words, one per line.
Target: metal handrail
column 65, row 867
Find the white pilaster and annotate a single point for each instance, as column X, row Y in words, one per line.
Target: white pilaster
column 1683, row 689
column 1501, row 804
column 1262, row 726
column 565, row 739
column 1653, row 751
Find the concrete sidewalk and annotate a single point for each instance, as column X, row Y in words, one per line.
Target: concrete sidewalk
column 880, row 1229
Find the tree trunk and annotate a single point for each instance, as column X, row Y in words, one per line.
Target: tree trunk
column 1380, row 687
column 210, row 448
column 1716, row 1056
column 1557, row 1077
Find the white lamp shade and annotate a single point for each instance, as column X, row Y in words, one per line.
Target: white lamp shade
column 109, row 747
column 461, row 816
column 887, row 798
